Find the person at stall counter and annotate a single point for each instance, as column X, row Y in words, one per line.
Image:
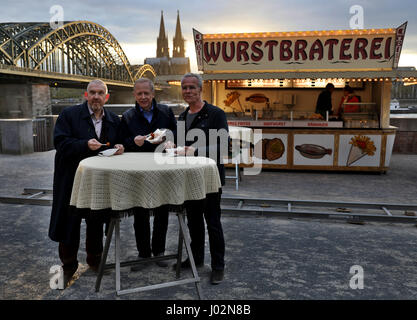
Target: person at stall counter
column 80, row 132
column 324, row 101
column 205, row 117
column 137, row 123
column 348, row 96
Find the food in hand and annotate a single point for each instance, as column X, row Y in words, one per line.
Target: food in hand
column 157, row 135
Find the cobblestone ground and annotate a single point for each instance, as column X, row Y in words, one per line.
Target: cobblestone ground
column 266, row 258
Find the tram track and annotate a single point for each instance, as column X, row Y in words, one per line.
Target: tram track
column 353, row 212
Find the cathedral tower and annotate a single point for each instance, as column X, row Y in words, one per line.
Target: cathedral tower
column 162, row 49
column 179, row 41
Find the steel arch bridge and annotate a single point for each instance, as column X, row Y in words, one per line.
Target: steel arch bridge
column 79, row 48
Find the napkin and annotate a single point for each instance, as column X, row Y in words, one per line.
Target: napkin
column 108, row 152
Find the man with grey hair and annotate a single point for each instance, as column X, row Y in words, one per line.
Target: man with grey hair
column 137, row 123
column 80, row 132
column 209, row 119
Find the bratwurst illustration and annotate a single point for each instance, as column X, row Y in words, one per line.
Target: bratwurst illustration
column 313, row 151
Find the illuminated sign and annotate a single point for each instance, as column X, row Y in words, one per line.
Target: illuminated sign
column 295, row 51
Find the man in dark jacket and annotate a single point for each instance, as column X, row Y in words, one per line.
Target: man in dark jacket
column 137, row 123
column 211, row 121
column 80, row 132
column 324, row 101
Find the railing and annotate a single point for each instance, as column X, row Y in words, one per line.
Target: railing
column 43, row 131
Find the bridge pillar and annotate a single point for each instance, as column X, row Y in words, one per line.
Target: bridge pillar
column 24, row 100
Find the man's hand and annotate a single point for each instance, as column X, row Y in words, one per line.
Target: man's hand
column 169, row 145
column 93, row 144
column 140, row 140
column 120, row 148
column 186, row 151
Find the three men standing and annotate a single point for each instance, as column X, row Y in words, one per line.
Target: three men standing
column 84, row 130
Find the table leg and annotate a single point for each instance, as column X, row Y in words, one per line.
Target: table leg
column 237, row 175
column 117, row 253
column 190, row 255
column 179, row 252
column 104, row 254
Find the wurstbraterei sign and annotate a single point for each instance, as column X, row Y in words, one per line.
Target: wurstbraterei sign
column 357, row 49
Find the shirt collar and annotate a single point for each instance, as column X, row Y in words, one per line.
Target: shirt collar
column 103, row 114
column 141, row 109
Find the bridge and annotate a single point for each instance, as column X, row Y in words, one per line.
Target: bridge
column 34, row 55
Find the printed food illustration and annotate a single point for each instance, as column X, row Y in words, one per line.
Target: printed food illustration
column 232, row 97
column 272, row 149
column 257, row 98
column 361, row 146
column 313, row 151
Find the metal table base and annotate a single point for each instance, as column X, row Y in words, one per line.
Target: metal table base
column 114, row 226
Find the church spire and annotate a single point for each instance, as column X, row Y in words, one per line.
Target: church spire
column 162, row 49
column 179, row 42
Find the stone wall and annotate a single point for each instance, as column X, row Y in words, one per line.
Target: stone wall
column 406, row 137
column 19, row 101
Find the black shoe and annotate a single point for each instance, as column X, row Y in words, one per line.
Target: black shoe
column 139, row 266
column 68, row 276
column 161, row 263
column 216, row 276
column 95, row 270
column 187, row 265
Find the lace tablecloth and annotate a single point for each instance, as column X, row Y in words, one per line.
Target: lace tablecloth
column 146, row 180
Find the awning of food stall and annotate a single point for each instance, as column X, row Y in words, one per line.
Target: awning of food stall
column 362, row 75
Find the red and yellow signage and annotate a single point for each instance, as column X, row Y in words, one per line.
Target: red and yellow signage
column 376, row 49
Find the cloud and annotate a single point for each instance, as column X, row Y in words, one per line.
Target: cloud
column 136, row 23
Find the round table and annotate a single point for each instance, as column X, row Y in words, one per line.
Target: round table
column 147, row 180
column 143, row 179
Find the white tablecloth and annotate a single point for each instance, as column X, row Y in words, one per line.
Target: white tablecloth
column 146, row 180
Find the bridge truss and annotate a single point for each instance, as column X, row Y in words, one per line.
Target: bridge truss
column 79, row 48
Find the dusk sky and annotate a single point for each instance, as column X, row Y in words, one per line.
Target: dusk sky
column 135, row 23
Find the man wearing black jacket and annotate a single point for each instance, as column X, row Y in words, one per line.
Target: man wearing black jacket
column 138, row 122
column 324, row 101
column 211, row 121
column 80, row 132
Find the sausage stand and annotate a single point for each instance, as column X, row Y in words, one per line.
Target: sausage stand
column 270, row 83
